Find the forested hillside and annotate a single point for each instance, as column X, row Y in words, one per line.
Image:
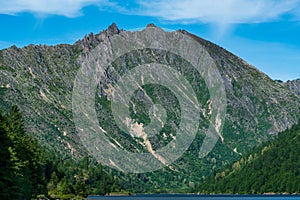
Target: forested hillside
column 27, row 170
column 272, row 168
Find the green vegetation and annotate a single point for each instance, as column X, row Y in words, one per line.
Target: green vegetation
column 27, row 170
column 69, row 179
column 21, row 162
column 271, row 168
column 39, row 79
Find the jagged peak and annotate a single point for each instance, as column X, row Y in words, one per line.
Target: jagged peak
column 112, row 29
column 151, row 25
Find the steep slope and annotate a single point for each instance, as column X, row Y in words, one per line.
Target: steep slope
column 272, row 168
column 294, row 86
column 39, row 79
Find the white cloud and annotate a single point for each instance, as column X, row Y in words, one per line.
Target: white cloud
column 216, row 11
column 68, row 8
column 183, row 11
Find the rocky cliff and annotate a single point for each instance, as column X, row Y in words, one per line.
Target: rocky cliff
column 39, row 79
column 294, row 86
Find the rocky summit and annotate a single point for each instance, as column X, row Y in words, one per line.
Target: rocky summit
column 294, row 86
column 39, row 79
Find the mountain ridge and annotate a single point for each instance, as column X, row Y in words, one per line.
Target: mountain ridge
column 294, row 85
column 39, row 79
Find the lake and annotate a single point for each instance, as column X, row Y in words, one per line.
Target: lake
column 197, row 197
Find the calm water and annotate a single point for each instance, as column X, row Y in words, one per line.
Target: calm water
column 197, row 197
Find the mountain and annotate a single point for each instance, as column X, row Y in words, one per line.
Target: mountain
column 39, row 79
column 273, row 167
column 294, row 86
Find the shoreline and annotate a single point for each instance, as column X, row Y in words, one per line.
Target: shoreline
column 188, row 194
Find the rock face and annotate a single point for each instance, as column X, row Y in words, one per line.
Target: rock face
column 294, row 86
column 112, row 30
column 39, row 79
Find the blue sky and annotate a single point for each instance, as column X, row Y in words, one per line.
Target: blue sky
column 265, row 33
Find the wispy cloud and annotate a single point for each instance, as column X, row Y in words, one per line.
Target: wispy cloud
column 68, row 8
column 182, row 11
column 218, row 12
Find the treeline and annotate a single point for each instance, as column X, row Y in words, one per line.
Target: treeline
column 69, row 178
column 29, row 171
column 272, row 168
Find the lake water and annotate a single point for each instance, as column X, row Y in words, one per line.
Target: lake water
column 197, row 197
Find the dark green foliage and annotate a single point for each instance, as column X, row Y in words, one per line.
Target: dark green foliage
column 28, row 170
column 22, row 172
column 272, row 168
column 71, row 178
column 5, row 162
